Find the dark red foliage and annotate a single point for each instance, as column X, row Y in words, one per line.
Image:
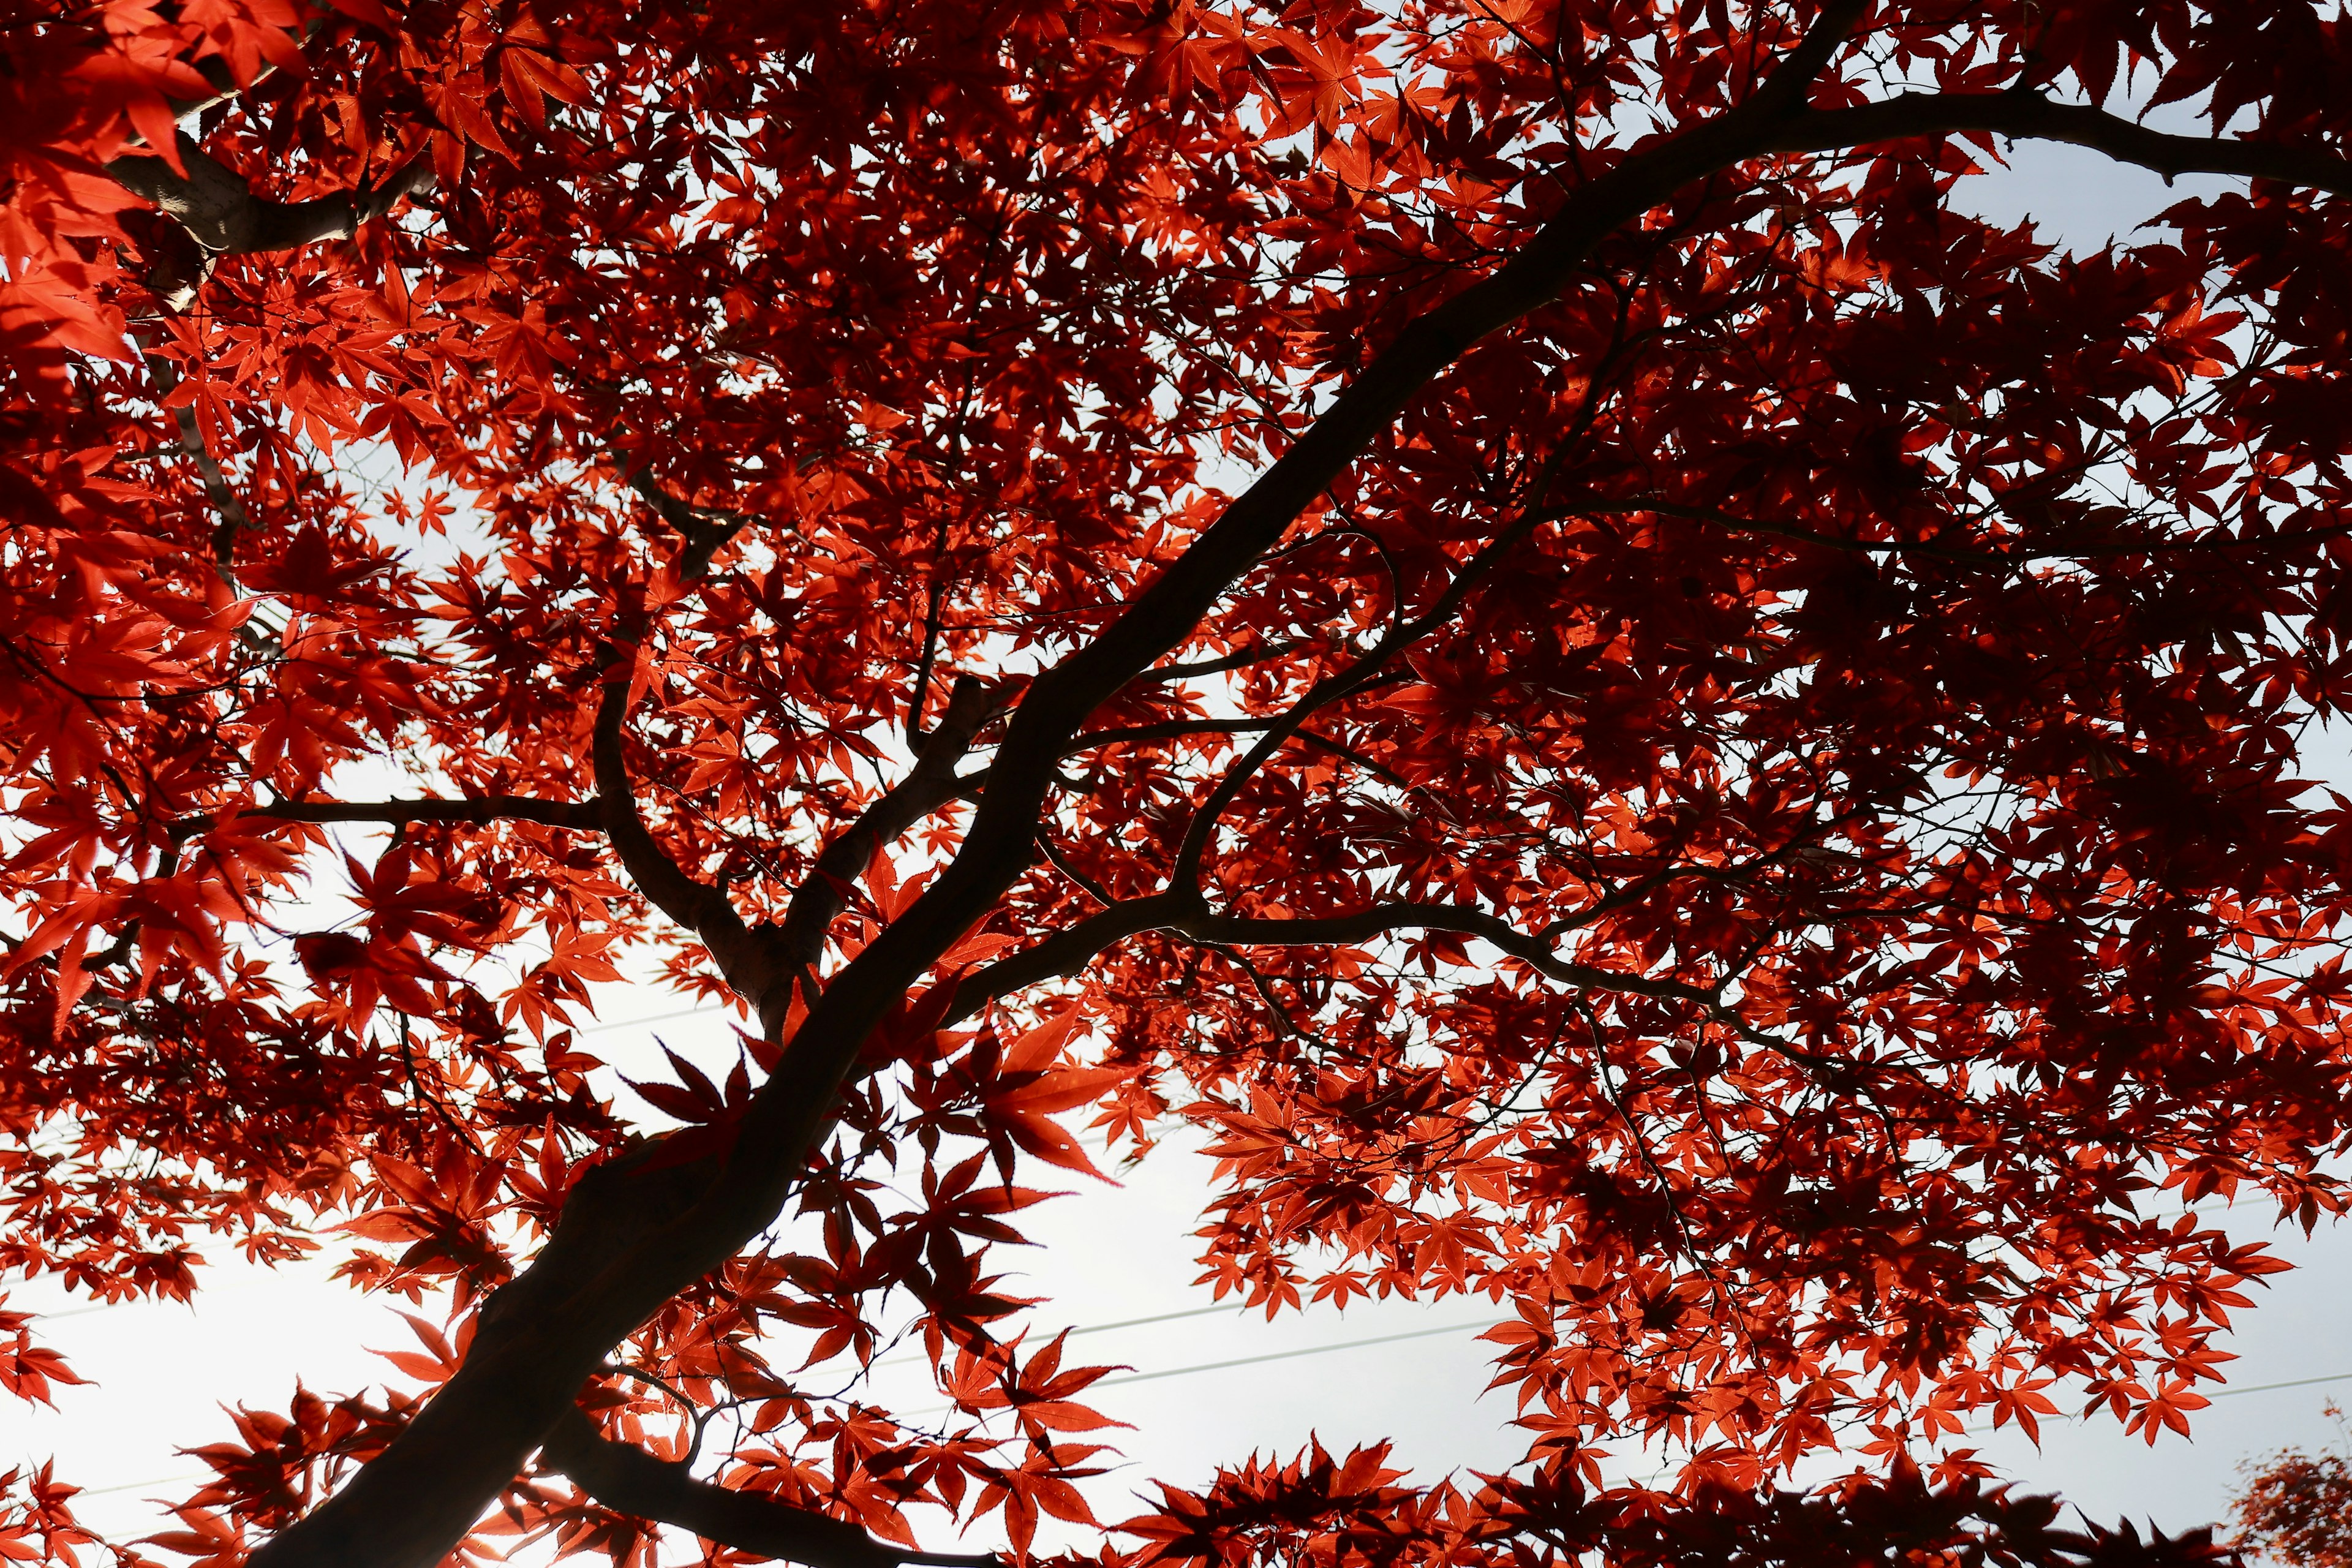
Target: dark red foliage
column 1505, row 610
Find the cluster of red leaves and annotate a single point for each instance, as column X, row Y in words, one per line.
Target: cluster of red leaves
column 1757, row 824
column 28, row 1371
column 1318, row 1512
column 37, row 1525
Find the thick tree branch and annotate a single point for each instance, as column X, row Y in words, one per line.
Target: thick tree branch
column 1183, row 913
column 2028, row 115
column 790, row 1111
column 627, row 1479
column 704, row 528
column 932, row 784
column 582, row 816
column 2016, row 113
column 1070, row 949
column 701, row 909
column 223, row 216
column 544, row 1335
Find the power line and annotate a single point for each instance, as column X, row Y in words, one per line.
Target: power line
column 1161, row 1317
column 1286, row 1355
column 1256, row 1359
column 657, row 1018
column 2270, row 1387
column 86, row 1311
column 1234, row 1307
column 1460, row 1328
column 134, row 1486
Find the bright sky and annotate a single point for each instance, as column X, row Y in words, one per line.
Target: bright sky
column 1111, row 1255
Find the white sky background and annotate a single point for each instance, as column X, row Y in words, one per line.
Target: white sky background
column 1112, row 1254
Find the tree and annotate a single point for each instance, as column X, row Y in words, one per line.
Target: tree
column 1502, row 607
column 2297, row 1509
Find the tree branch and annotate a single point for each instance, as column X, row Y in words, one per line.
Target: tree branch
column 546, row 1333
column 1183, row 913
column 581, row 817
column 703, row 909
column 2028, row 115
column 1166, row 729
column 543, row 1336
column 627, row 1479
column 214, row 70
column 1161, row 674
column 1401, row 634
column 1383, row 920
column 932, row 784
column 704, row 528
column 934, row 604
column 221, row 214
column 2025, row 553
column 231, row 518
column 790, row 1111
column 1068, row 951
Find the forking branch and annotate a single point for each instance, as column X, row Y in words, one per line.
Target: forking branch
column 545, row 1334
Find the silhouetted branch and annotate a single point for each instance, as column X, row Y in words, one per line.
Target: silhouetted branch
column 701, row 909
column 627, row 1480
column 1181, row 912
column 1161, row 674
column 581, row 817
column 932, row 784
column 230, row 516
column 221, row 214
column 704, row 528
column 2029, row 115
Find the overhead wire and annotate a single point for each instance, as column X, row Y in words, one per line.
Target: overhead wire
column 1256, row 1359
column 1220, row 1309
column 606, row 1028
column 1286, row 1355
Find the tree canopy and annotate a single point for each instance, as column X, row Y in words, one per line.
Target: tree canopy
column 2296, row 1508
column 1501, row 608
